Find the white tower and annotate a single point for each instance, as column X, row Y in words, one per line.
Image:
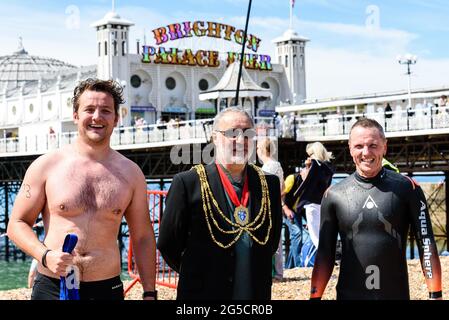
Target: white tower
column 112, row 46
column 290, row 52
column 112, row 52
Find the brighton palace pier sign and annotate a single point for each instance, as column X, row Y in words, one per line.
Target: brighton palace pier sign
column 202, row 58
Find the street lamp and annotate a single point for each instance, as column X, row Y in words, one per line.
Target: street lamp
column 408, row 59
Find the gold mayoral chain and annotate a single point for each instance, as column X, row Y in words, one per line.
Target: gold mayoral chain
column 238, row 228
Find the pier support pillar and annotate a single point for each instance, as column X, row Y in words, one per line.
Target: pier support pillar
column 6, row 195
column 412, row 236
column 446, row 182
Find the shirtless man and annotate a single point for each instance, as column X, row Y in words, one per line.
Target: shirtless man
column 85, row 189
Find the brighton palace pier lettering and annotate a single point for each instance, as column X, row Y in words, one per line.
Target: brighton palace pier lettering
column 203, row 58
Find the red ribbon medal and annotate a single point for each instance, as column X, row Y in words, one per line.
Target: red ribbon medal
column 241, row 213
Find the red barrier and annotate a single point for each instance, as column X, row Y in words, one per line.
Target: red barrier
column 165, row 276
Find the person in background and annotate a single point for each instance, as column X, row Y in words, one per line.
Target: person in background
column 266, row 151
column 388, row 111
column 388, row 165
column 443, row 101
column 293, row 219
column 317, row 177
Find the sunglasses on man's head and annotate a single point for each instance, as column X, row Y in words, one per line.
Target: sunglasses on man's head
column 235, row 133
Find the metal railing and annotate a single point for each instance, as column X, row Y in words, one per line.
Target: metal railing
column 168, row 133
column 337, row 125
column 165, row 276
column 332, row 126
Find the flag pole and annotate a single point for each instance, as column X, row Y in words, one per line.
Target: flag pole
column 291, row 14
column 242, row 55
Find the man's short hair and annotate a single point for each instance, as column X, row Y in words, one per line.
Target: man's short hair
column 221, row 114
column 106, row 86
column 368, row 123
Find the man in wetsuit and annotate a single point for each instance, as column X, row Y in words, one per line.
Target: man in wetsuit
column 372, row 210
column 86, row 188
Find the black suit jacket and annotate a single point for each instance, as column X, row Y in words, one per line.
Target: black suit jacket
column 206, row 271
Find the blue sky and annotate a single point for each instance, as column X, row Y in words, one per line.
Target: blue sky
column 353, row 48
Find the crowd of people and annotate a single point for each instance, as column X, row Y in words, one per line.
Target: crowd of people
column 291, row 125
column 221, row 228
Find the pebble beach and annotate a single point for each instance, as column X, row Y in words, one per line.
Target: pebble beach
column 295, row 286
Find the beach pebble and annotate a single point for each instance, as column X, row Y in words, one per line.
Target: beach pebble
column 295, row 286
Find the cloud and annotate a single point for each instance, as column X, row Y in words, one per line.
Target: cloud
column 353, row 38
column 339, row 72
column 352, row 30
column 434, row 4
column 334, row 5
column 46, row 33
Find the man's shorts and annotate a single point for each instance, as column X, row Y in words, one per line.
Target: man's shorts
column 47, row 288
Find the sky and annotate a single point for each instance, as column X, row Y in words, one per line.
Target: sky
column 352, row 50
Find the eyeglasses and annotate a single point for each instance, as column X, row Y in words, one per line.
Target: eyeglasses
column 249, row 133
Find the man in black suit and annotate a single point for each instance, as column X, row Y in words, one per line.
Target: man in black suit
column 222, row 222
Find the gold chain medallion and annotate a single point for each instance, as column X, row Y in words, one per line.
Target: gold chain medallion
column 241, row 214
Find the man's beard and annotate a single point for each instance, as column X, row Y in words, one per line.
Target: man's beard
column 238, row 156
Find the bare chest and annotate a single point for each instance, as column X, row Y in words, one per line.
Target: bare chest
column 88, row 190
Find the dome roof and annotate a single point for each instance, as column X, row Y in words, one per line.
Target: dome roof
column 112, row 18
column 290, row 35
column 21, row 67
column 112, row 15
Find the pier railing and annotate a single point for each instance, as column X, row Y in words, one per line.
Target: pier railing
column 417, row 121
column 145, row 136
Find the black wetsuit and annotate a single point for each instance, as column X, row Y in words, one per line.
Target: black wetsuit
column 373, row 217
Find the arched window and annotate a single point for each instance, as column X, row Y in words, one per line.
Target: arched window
column 123, row 48
column 115, row 47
